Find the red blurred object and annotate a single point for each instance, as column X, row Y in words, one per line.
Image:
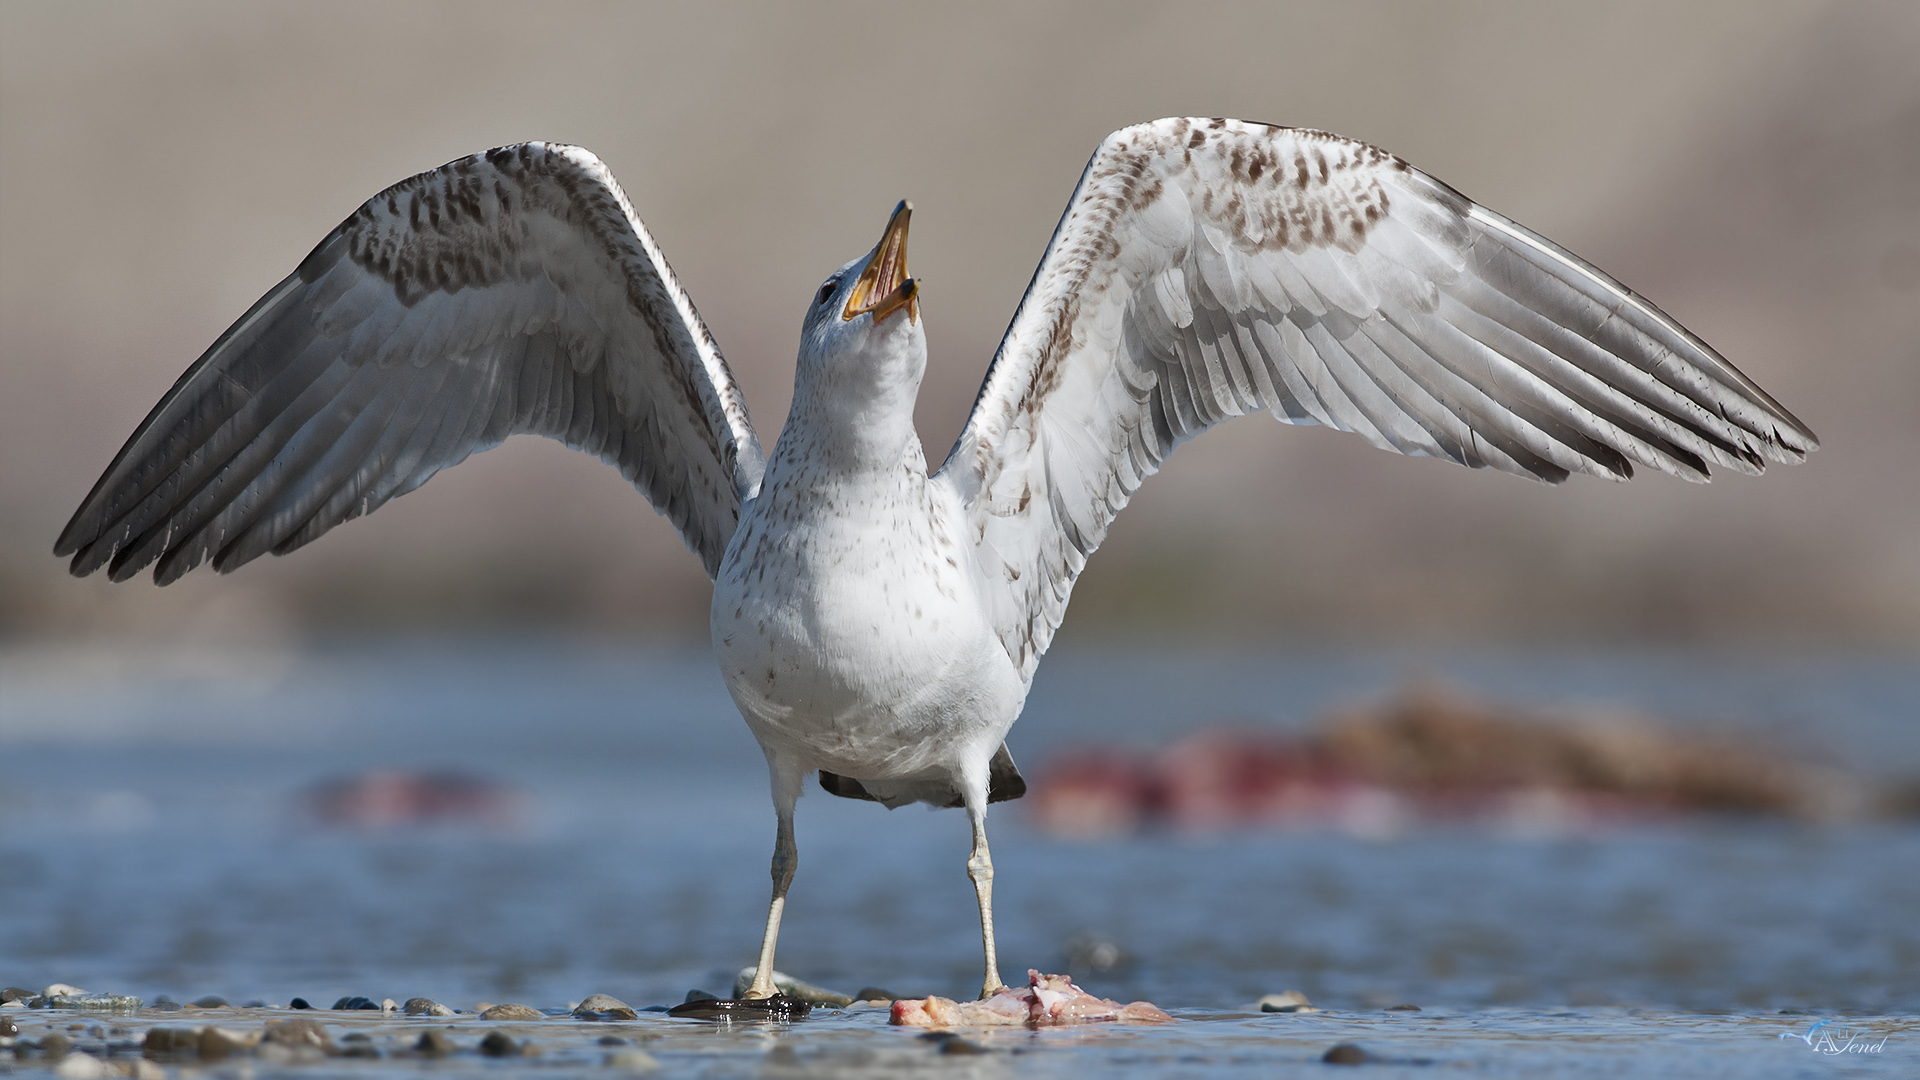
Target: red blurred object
column 1433, row 754
column 389, row 798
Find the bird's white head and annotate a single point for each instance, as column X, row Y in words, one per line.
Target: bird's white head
column 863, row 348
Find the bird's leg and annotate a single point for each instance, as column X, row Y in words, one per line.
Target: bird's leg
column 980, row 869
column 785, row 858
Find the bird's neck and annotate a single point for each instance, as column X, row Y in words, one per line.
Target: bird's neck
column 851, row 420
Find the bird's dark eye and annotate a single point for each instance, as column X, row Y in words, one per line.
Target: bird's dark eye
column 826, row 290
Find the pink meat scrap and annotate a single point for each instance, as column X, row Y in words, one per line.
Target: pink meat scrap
column 1044, row 1001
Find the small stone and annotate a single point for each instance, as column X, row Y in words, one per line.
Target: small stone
column 958, row 1045
column 699, row 995
column 874, row 993
column 55, row 1045
column 142, row 1069
column 298, row 1003
column 498, row 1044
column 90, row 1002
column 632, row 1060
column 8, row 1029
column 1347, row 1054
column 387, row 1006
column 218, row 1042
column 356, row 1003
column 358, row 1044
column 211, row 1001
column 434, row 1044
column 82, row 1067
column 1293, row 1001
column 777, row 1007
column 299, row 1032
column 1403, row 1008
column 14, row 993
column 425, row 1007
column 604, row 1007
column 256, row 1004
column 167, row 1041
column 513, row 1012
column 62, row 990
column 614, row 1040
column 163, row 1003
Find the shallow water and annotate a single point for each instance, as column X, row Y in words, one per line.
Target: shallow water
column 151, row 844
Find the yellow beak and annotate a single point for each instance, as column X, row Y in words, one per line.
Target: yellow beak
column 884, row 286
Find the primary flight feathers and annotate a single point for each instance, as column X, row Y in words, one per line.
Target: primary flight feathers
column 1209, row 268
column 1203, row 269
column 512, row 291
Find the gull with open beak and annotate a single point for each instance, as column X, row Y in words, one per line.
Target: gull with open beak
column 878, row 624
column 848, row 614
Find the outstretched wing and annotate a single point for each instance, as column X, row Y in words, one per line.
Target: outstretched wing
column 1209, row 268
column 512, row 291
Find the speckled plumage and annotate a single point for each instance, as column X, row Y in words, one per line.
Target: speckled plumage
column 872, row 621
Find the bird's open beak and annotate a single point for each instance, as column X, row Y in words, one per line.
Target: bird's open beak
column 884, row 286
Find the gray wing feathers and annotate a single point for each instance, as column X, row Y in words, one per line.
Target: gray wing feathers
column 1210, row 268
column 511, row 292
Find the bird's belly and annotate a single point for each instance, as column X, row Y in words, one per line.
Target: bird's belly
column 871, row 667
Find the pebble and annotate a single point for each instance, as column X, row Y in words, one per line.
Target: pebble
column 358, row 1044
column 298, row 1032
column 1403, row 1008
column 631, row 1060
column 83, row 1067
column 512, row 1012
column 88, row 1002
column 793, row 988
column 62, row 990
column 218, row 1042
column 498, row 1044
column 1347, row 1054
column 950, row 1043
column 357, row 1002
column 166, row 1041
column 14, row 993
column 777, row 1007
column 604, row 1007
column 211, row 1001
column 874, row 993
column 299, row 1003
column 8, row 1029
column 435, row 1044
column 425, row 1007
column 163, row 1003
column 1293, row 1001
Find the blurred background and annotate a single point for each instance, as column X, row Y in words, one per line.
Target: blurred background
column 1748, row 166
column 526, row 619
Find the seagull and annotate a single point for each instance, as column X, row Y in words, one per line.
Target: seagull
column 878, row 623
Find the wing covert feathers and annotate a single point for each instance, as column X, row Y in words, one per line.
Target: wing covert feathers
column 1209, row 268
column 508, row 292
